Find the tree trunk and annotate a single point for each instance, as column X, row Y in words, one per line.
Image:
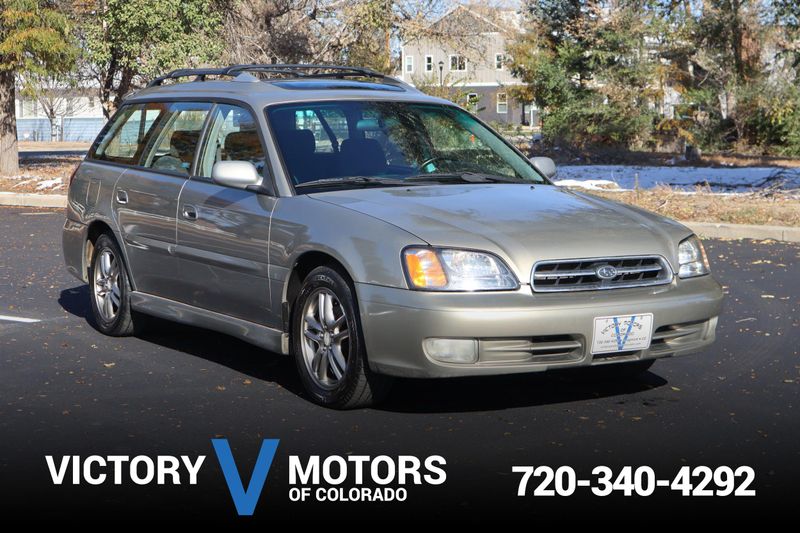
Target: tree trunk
column 124, row 87
column 9, row 156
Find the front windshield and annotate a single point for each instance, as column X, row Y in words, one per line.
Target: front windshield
column 389, row 141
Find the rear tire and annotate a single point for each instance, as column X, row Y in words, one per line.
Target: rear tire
column 328, row 344
column 109, row 288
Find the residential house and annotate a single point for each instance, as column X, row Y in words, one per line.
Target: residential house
column 465, row 51
column 59, row 115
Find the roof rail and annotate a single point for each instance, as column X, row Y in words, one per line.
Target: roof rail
column 199, row 74
column 287, row 70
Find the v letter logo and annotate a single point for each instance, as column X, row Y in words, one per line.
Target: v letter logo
column 245, row 500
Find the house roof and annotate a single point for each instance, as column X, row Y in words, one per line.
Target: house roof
column 477, row 19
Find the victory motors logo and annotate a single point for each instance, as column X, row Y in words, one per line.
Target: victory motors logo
column 245, row 500
column 368, row 479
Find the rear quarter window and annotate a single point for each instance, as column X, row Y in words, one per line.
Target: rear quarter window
column 122, row 140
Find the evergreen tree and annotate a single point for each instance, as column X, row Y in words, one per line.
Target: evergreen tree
column 34, row 37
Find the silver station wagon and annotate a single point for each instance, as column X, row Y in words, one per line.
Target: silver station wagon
column 370, row 231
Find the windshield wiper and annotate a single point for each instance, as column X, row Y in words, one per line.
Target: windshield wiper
column 467, row 177
column 419, row 179
column 353, row 180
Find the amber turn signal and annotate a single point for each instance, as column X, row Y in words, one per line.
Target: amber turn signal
column 424, row 269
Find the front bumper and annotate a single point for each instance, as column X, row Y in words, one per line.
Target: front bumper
column 523, row 331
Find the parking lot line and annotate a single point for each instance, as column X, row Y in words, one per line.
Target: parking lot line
column 19, row 319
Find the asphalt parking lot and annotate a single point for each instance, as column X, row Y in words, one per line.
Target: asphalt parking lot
column 67, row 389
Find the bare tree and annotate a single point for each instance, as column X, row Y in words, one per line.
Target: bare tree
column 58, row 96
column 324, row 31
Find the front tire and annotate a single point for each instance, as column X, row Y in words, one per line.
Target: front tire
column 328, row 344
column 109, row 288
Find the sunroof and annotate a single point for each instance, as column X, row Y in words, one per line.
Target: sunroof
column 318, row 85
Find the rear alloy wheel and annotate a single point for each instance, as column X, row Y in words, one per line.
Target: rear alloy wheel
column 108, row 281
column 328, row 344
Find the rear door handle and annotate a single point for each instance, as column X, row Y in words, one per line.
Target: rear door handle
column 189, row 212
column 122, row 196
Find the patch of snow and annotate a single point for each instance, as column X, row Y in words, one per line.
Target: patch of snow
column 21, row 183
column 717, row 179
column 593, row 185
column 49, row 184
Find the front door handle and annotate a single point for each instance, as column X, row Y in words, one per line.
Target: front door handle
column 122, row 196
column 189, row 212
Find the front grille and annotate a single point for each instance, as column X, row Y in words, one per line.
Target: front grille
column 582, row 274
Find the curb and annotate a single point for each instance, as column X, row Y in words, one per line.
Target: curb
column 743, row 231
column 705, row 229
column 33, row 200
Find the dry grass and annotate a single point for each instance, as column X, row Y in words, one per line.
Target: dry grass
column 43, row 176
column 36, row 146
column 778, row 209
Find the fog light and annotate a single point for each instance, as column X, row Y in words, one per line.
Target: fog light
column 452, row 350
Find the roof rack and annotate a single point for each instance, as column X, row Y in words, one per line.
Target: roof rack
column 199, row 74
column 286, row 70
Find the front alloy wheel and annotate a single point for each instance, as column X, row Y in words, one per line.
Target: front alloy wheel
column 328, row 344
column 326, row 337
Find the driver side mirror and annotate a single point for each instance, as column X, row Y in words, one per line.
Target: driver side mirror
column 236, row 174
column 545, row 166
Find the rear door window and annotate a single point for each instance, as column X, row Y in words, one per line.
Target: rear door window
column 173, row 144
column 125, row 136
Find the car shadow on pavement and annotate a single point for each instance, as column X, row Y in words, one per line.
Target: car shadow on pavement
column 215, row 347
column 75, row 301
column 491, row 393
column 488, row 393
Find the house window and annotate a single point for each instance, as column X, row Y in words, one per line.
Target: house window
column 428, row 63
column 409, row 63
column 499, row 61
column 29, row 107
column 458, row 63
column 502, row 103
column 472, row 102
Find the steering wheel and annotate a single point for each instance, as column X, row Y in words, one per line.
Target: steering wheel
column 435, row 158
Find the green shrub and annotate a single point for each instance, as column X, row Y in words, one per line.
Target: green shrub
column 581, row 125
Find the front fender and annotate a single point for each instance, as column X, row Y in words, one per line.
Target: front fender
column 369, row 248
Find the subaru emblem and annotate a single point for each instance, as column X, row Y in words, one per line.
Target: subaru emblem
column 605, row 272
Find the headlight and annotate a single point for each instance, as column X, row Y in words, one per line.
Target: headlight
column 692, row 258
column 456, row 270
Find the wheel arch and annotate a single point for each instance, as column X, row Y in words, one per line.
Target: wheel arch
column 301, row 268
column 96, row 228
column 93, row 232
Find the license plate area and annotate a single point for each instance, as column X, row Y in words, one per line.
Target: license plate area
column 622, row 333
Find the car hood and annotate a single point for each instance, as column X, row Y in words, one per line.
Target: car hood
column 521, row 223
